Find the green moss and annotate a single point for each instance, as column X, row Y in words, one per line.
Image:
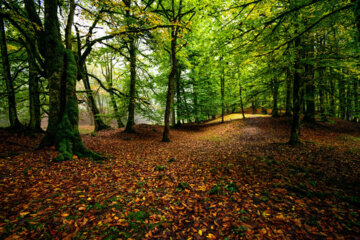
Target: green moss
column 68, row 140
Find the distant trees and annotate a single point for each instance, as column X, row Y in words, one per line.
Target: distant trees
column 178, row 61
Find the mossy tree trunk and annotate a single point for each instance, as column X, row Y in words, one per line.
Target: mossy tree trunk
column 61, row 69
column 13, row 118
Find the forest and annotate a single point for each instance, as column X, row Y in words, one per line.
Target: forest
column 180, row 119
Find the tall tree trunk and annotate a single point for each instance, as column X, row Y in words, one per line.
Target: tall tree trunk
column 179, row 111
column 309, row 97
column 62, row 131
column 309, row 115
column 131, row 109
column 254, row 105
column 113, row 101
column 13, row 118
column 170, row 92
column 241, row 100
column 342, row 97
column 356, row 100
column 348, row 103
column 275, row 112
column 34, row 96
column 332, row 109
column 222, row 95
column 295, row 125
column 195, row 100
column 288, row 93
column 99, row 124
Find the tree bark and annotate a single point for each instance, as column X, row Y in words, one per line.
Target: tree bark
column 295, row 125
column 34, row 96
column 309, row 96
column 131, row 108
column 241, row 100
column 170, row 92
column 13, row 118
column 62, row 131
column 356, row 100
column 288, row 104
column 99, row 123
column 179, row 111
column 275, row 111
column 222, row 82
column 109, row 81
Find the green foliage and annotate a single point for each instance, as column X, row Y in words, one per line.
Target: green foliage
column 140, row 216
column 159, row 168
column 231, row 187
column 171, row 160
column 215, row 190
column 182, row 186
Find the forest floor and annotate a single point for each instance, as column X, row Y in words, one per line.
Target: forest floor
column 233, row 180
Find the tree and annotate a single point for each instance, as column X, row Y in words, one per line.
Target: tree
column 14, row 121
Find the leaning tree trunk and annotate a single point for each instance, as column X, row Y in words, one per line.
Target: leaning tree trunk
column 62, row 131
column 295, row 125
column 170, row 93
column 99, row 123
column 13, row 118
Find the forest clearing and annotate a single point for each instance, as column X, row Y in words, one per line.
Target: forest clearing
column 214, row 181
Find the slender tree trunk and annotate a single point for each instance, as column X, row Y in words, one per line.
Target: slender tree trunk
column 332, row 109
column 356, row 100
column 170, row 93
column 113, row 101
column 288, row 93
column 34, row 96
column 13, row 118
column 99, row 124
column 241, row 100
column 309, row 115
column 309, row 96
column 275, row 112
column 131, row 109
column 322, row 101
column 222, row 82
column 348, row 103
column 254, row 105
column 295, row 125
column 342, row 97
column 179, row 111
column 196, row 109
